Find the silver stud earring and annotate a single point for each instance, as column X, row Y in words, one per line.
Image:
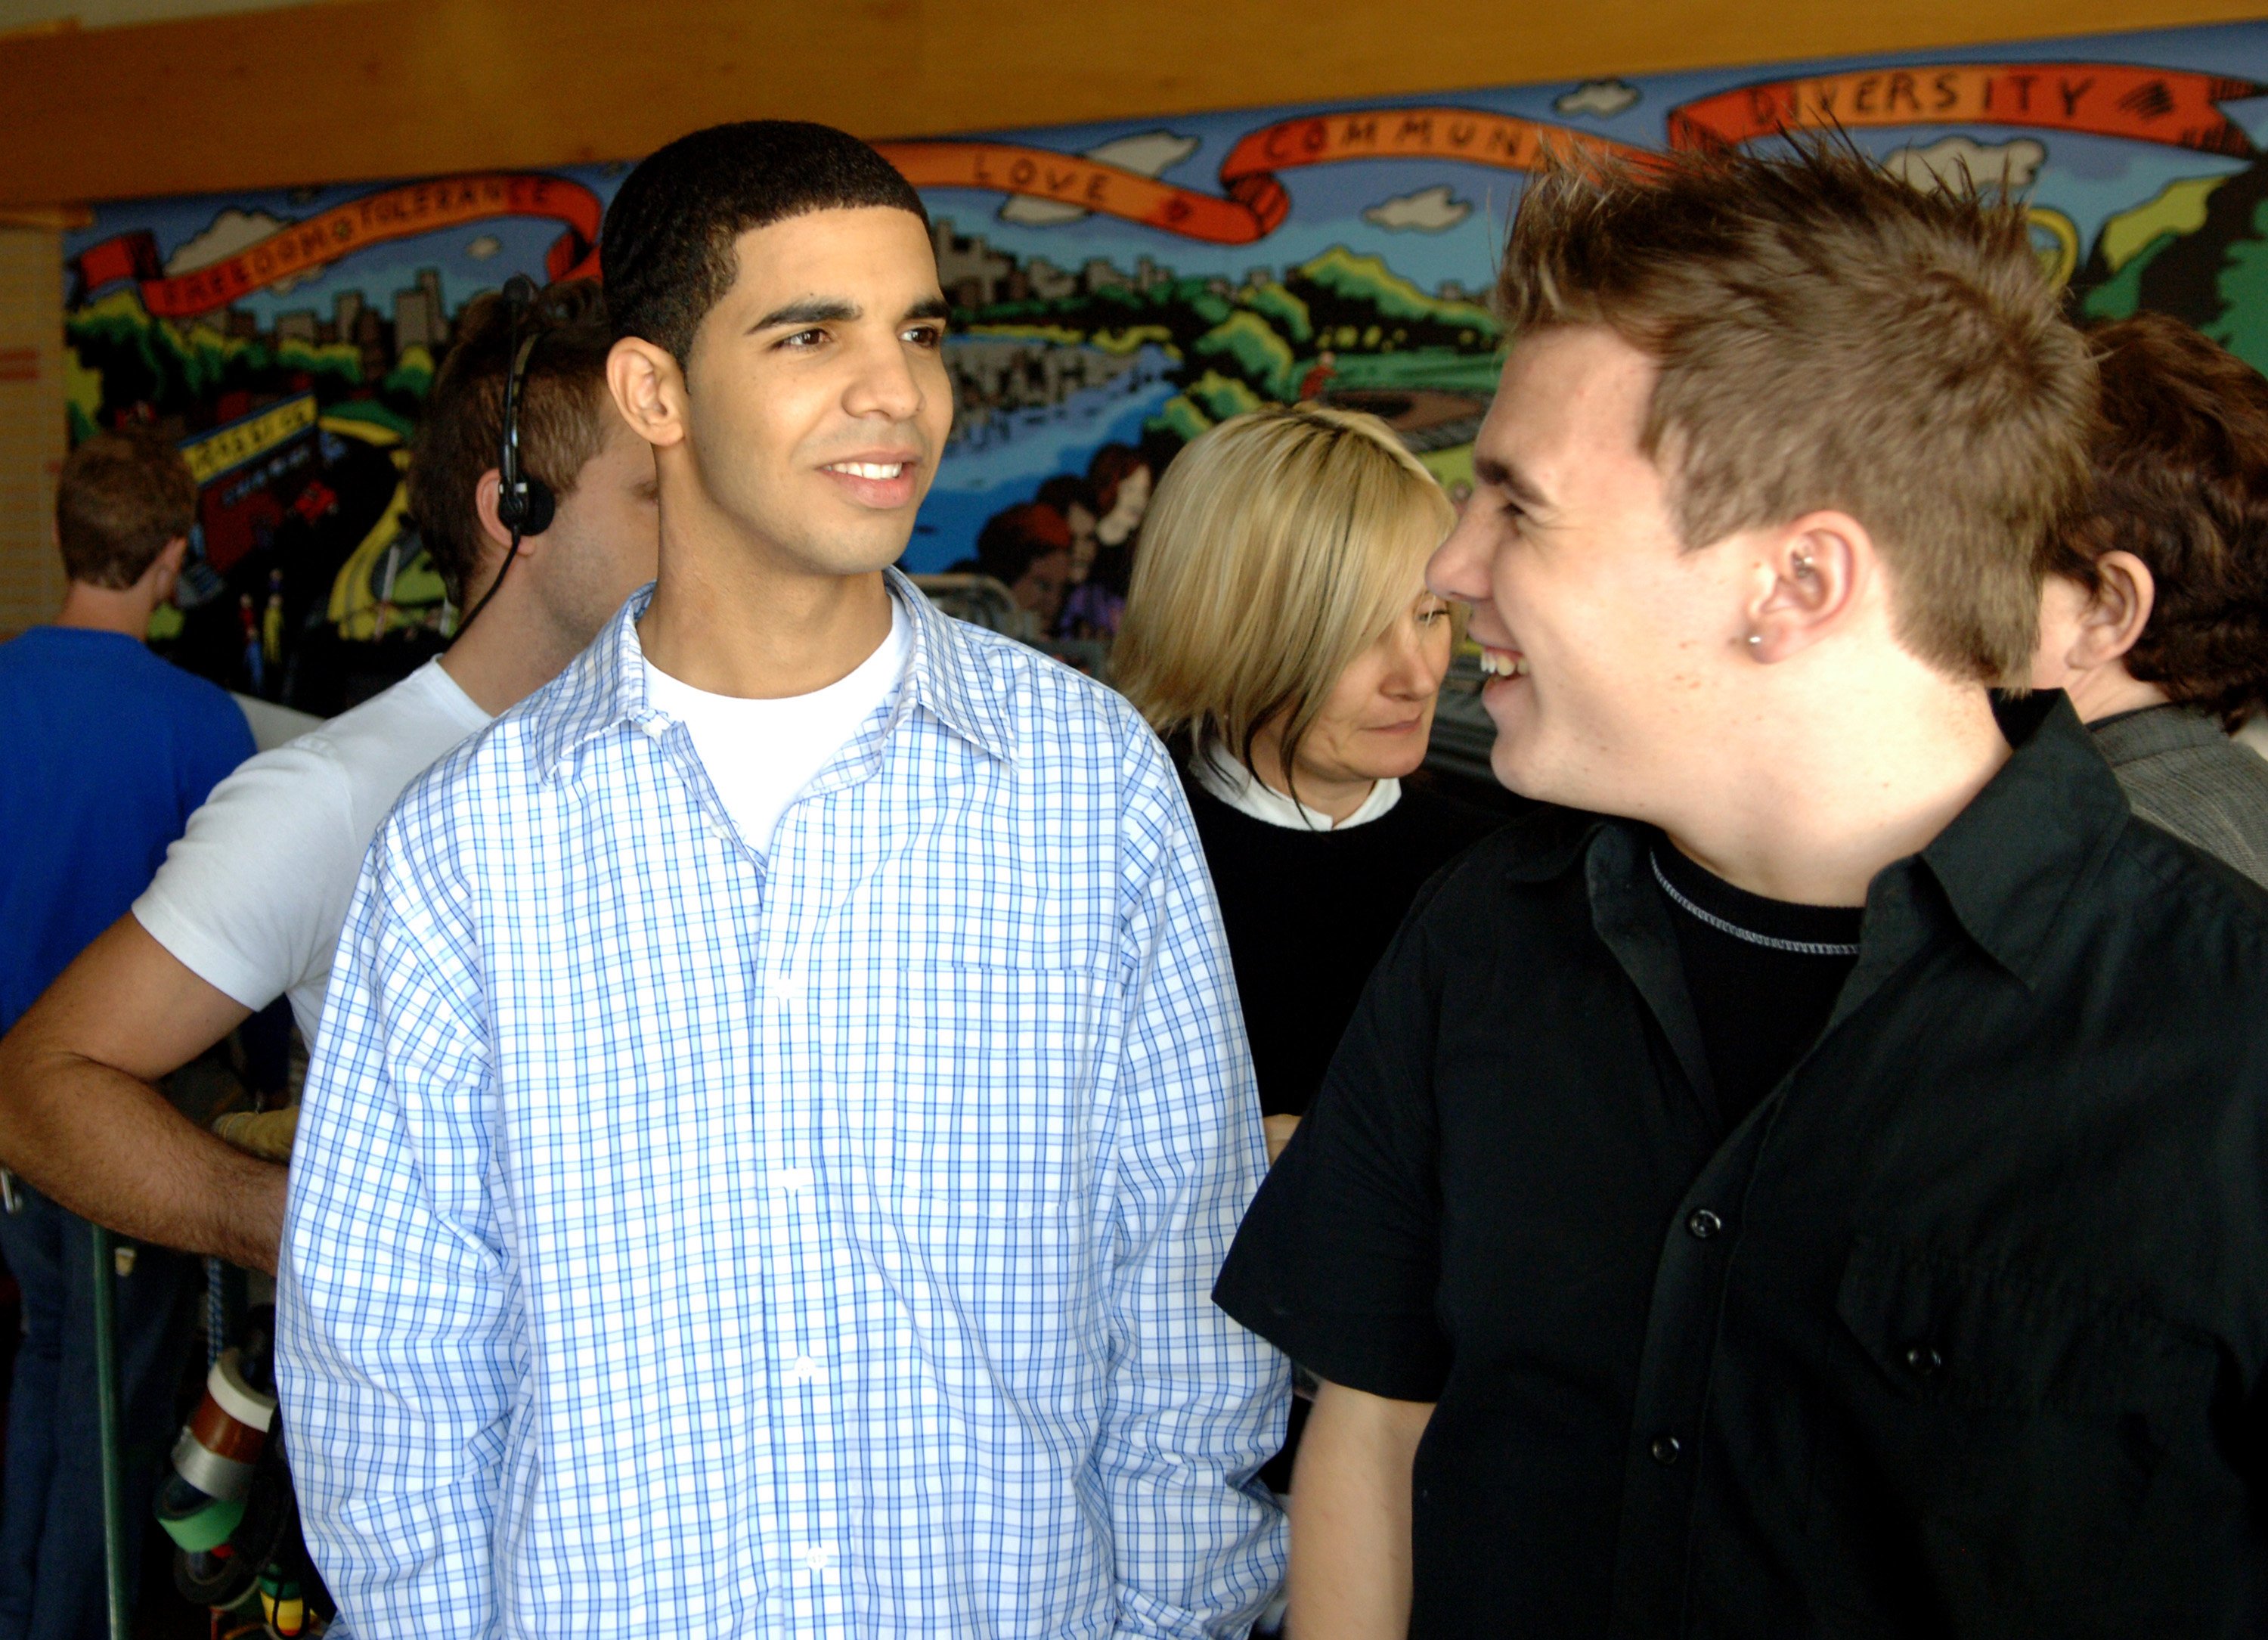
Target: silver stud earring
column 1755, row 640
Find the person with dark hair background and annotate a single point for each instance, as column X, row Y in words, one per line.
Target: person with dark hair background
column 781, row 1104
column 1070, row 498
column 248, row 904
column 2154, row 618
column 108, row 751
column 1120, row 480
column 1027, row 550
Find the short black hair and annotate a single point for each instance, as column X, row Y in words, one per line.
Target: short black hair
column 665, row 252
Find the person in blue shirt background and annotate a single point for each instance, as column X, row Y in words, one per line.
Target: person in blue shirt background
column 106, row 753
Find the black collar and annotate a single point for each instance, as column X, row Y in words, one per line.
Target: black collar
column 2009, row 863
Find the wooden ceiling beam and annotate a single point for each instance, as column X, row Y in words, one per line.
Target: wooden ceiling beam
column 367, row 89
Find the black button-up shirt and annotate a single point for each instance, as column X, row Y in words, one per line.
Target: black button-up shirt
column 1961, row 1331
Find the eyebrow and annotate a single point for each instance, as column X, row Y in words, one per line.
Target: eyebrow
column 818, row 310
column 808, row 310
column 1503, row 476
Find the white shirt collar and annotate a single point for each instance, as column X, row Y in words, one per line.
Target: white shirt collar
column 1237, row 787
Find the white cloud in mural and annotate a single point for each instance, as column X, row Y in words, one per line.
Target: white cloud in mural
column 1600, row 97
column 1945, row 163
column 1429, row 210
column 483, row 248
column 230, row 233
column 1150, row 153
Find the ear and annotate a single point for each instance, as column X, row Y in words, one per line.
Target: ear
column 484, row 502
column 2125, row 594
column 1812, row 574
column 649, row 389
column 165, row 570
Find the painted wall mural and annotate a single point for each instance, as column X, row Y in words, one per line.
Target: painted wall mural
column 1116, row 291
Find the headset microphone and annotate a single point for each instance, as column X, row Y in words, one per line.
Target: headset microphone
column 524, row 503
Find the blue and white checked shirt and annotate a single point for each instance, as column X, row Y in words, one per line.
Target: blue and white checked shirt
column 684, row 1242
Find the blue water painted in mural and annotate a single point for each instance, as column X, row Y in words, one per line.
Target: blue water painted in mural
column 1004, row 464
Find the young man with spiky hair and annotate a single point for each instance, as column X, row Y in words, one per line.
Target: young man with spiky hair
column 1810, row 1179
column 781, row 1101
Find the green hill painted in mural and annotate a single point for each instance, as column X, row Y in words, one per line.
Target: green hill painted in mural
column 1261, row 338
column 124, row 359
column 1370, row 293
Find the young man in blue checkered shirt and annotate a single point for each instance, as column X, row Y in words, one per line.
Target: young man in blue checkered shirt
column 781, row 1102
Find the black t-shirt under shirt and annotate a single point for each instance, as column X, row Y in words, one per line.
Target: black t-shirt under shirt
column 1764, row 975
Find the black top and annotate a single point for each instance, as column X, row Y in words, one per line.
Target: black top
column 1962, row 1332
column 1309, row 914
column 1764, row 975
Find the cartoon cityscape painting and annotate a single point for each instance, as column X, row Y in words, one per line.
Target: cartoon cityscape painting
column 1116, row 291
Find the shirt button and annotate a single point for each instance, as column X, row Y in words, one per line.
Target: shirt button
column 817, row 1557
column 793, row 1180
column 1666, row 1449
column 1702, row 1224
column 805, row 1370
column 1924, row 1361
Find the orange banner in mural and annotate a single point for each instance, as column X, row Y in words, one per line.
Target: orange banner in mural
column 2176, row 107
column 2172, row 106
column 1255, row 204
column 394, row 213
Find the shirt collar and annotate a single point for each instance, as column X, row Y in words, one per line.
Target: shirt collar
column 2008, row 864
column 604, row 686
column 1241, row 790
column 2029, row 842
column 2131, row 735
column 946, row 674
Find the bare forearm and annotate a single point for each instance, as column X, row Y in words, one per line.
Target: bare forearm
column 81, row 1119
column 111, row 1148
column 1350, row 1560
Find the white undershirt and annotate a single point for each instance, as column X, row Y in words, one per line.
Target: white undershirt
column 761, row 754
column 1241, row 790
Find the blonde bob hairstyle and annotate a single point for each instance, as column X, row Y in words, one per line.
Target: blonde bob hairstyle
column 1281, row 545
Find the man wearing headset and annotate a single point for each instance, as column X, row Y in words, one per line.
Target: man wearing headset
column 248, row 904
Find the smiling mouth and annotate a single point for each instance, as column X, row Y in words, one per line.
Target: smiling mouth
column 1503, row 662
column 881, row 471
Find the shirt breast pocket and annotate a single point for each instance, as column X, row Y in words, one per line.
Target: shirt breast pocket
column 989, row 1075
column 2017, row 1424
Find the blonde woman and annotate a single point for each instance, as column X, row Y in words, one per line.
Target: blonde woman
column 1279, row 637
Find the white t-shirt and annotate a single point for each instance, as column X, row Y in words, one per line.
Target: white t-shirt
column 252, row 897
column 760, row 754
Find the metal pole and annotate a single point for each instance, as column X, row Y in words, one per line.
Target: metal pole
column 106, row 1395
